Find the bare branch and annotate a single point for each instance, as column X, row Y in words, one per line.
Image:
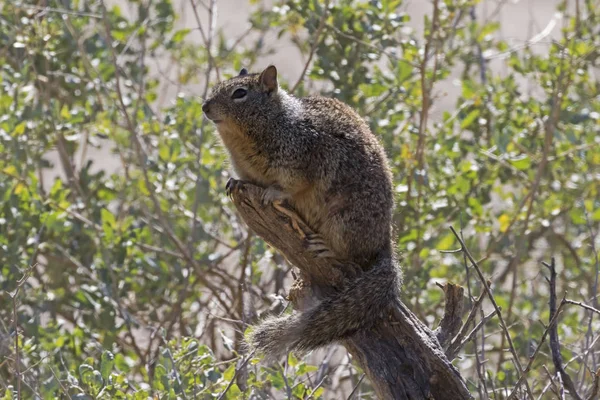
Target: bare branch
column 471, row 335
column 554, row 341
column 315, row 43
column 14, row 296
column 486, row 286
column 351, row 397
column 404, row 344
column 595, row 387
column 582, row 305
column 451, row 322
column 455, row 346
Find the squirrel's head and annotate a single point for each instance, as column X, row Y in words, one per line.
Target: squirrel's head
column 243, row 100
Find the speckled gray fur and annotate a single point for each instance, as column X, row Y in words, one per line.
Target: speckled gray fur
column 321, row 156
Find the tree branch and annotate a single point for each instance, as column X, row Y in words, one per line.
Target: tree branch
column 452, row 321
column 554, row 342
column 402, row 357
column 487, row 289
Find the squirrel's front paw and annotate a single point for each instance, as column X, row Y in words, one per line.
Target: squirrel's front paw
column 273, row 193
column 233, row 186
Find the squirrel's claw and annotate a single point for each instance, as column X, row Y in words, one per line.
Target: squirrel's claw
column 232, row 186
column 316, row 245
column 315, row 240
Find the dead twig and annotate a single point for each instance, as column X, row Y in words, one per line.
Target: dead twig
column 235, row 374
column 595, row 387
column 13, row 296
column 554, row 341
column 488, row 291
column 582, row 305
column 523, row 376
column 471, row 335
column 356, row 387
column 315, row 44
column 453, row 310
column 142, row 156
column 455, row 346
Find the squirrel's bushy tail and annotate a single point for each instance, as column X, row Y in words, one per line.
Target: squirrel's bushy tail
column 360, row 305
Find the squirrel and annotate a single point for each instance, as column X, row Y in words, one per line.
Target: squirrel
column 319, row 155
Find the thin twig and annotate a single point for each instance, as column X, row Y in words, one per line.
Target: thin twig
column 482, row 383
column 312, row 392
column 64, row 389
column 554, row 340
column 582, row 305
column 549, row 127
column 237, row 370
column 589, row 336
column 315, row 43
column 142, row 157
column 496, row 307
column 550, row 385
column 595, row 387
column 523, row 377
column 13, row 296
column 17, row 350
column 356, row 387
column 62, row 11
column 382, row 50
column 534, row 40
column 207, row 39
column 454, row 348
column 418, row 170
column 288, row 389
column 473, row 332
column 481, row 58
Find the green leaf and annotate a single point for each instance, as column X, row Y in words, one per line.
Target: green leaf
column 522, row 163
column 469, row 119
column 596, row 215
column 109, row 224
column 107, row 364
column 64, row 112
column 475, row 206
column 504, row 221
column 19, row 129
column 180, row 35
column 108, row 217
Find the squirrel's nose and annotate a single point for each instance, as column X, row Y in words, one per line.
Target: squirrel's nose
column 205, row 107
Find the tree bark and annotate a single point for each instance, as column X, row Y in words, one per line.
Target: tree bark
column 402, row 357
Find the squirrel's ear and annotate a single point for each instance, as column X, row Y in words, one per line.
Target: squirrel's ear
column 243, row 72
column 268, row 79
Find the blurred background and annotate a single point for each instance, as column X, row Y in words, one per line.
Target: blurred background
column 126, row 271
column 519, row 21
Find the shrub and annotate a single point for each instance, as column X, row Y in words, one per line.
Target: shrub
column 133, row 277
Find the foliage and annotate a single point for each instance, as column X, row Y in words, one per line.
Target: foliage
column 135, row 278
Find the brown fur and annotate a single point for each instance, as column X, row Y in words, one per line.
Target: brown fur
column 321, row 155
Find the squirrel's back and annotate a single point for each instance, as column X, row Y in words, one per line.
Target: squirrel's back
column 355, row 182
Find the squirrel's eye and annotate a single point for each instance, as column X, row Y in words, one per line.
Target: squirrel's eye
column 239, row 93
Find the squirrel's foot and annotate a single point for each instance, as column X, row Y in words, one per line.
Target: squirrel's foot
column 317, row 246
column 273, row 193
